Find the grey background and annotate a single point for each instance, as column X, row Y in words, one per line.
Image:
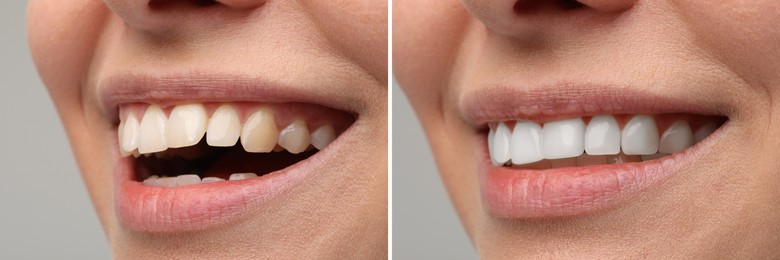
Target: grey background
column 425, row 225
column 45, row 212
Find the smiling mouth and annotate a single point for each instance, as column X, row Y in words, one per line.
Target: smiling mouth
column 203, row 143
column 595, row 140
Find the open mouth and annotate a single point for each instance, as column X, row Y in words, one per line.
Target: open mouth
column 595, row 140
column 203, row 143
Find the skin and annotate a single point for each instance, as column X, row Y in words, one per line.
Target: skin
column 721, row 55
column 340, row 211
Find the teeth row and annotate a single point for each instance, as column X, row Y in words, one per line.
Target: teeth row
column 191, row 179
column 529, row 142
column 188, row 123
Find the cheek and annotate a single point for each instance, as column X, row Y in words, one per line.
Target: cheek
column 357, row 29
column 741, row 34
column 61, row 46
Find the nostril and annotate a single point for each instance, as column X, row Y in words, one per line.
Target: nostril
column 527, row 6
column 167, row 4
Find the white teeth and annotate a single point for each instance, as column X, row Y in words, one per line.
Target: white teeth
column 224, row 127
column 526, row 143
column 241, row 176
column 128, row 135
column 491, row 136
column 640, row 136
column 322, row 136
column 705, row 131
column 602, row 136
column 501, row 144
column 295, row 137
column 563, row 138
column 152, row 181
column 166, row 182
column 676, row 138
column 259, row 133
column 186, row 125
column 211, row 180
column 151, row 133
column 187, row 179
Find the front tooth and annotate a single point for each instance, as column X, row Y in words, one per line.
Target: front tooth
column 187, row 179
column 129, row 135
column 241, row 176
column 211, row 180
column 640, row 136
column 166, row 182
column 224, row 127
column 295, row 137
column 563, row 138
column 186, row 125
column 676, row 138
column 602, row 136
column 526, row 143
column 491, row 136
column 260, row 134
column 705, row 131
column 152, row 181
column 501, row 144
column 322, row 136
column 151, row 132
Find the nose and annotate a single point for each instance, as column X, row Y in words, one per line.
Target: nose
column 164, row 16
column 519, row 17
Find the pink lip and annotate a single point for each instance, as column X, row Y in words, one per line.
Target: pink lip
column 525, row 193
column 203, row 206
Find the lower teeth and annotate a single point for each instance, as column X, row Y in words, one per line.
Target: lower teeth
column 586, row 160
column 191, row 179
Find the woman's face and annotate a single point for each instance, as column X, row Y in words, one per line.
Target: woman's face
column 270, row 83
column 508, row 91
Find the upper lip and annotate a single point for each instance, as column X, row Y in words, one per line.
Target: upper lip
column 522, row 193
column 499, row 102
column 146, row 208
column 171, row 89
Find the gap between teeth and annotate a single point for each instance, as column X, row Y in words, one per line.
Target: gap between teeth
column 191, row 179
column 570, row 142
column 188, row 124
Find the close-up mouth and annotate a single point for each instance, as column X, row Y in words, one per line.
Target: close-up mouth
column 580, row 150
column 189, row 160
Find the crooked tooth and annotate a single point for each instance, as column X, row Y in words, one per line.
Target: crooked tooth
column 128, row 135
column 526, row 143
column 676, row 138
column 322, row 136
column 704, row 131
column 241, row 176
column 259, row 134
column 186, row 125
column 152, row 181
column 166, row 182
column 563, row 138
column 224, row 127
column 602, row 136
column 211, row 180
column 295, row 137
column 187, row 179
column 501, row 151
column 640, row 136
column 151, row 132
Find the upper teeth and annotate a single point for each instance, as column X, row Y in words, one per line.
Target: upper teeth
column 187, row 124
column 528, row 142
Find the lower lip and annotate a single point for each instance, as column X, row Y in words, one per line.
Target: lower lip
column 200, row 206
column 573, row 191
